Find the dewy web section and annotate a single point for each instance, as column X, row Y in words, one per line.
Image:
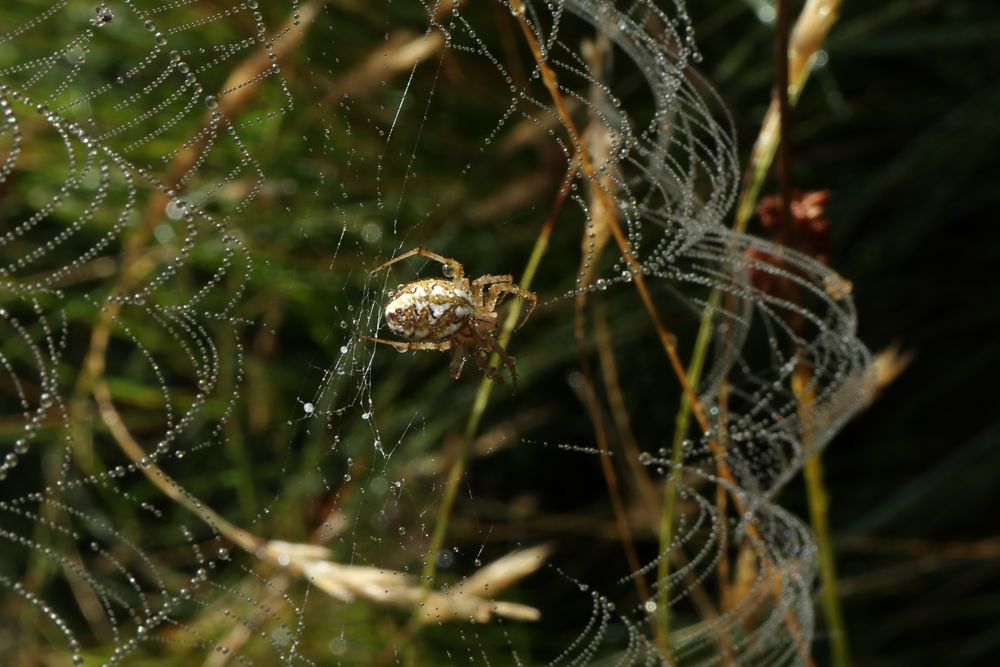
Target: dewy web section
column 205, row 463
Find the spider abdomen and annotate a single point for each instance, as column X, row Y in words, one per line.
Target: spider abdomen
column 430, row 309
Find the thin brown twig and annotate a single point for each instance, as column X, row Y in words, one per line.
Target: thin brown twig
column 596, row 413
column 134, row 451
column 784, row 166
column 626, row 434
column 980, row 549
column 619, row 413
column 667, row 339
column 699, row 596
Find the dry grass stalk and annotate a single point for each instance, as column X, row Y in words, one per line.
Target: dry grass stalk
column 470, row 601
column 589, row 397
column 466, row 602
column 808, row 34
column 598, row 139
column 889, row 364
column 619, row 413
column 403, row 50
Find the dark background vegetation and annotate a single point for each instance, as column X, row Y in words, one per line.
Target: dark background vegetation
column 902, row 126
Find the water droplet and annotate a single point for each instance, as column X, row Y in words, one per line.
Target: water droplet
column 445, row 558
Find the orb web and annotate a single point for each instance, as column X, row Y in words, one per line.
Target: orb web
column 195, row 193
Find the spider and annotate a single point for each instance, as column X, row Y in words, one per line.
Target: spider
column 454, row 314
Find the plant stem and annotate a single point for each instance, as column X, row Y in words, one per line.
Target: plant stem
column 819, row 504
column 681, row 424
column 457, row 469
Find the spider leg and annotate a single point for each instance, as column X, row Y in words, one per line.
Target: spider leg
column 456, row 267
column 482, row 360
column 498, row 291
column 495, row 296
column 490, row 279
column 480, row 284
column 458, row 360
column 507, row 360
column 405, row 345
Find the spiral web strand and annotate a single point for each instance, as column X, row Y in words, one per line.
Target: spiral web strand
column 139, row 143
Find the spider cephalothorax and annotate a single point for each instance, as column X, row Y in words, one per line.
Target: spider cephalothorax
column 456, row 314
